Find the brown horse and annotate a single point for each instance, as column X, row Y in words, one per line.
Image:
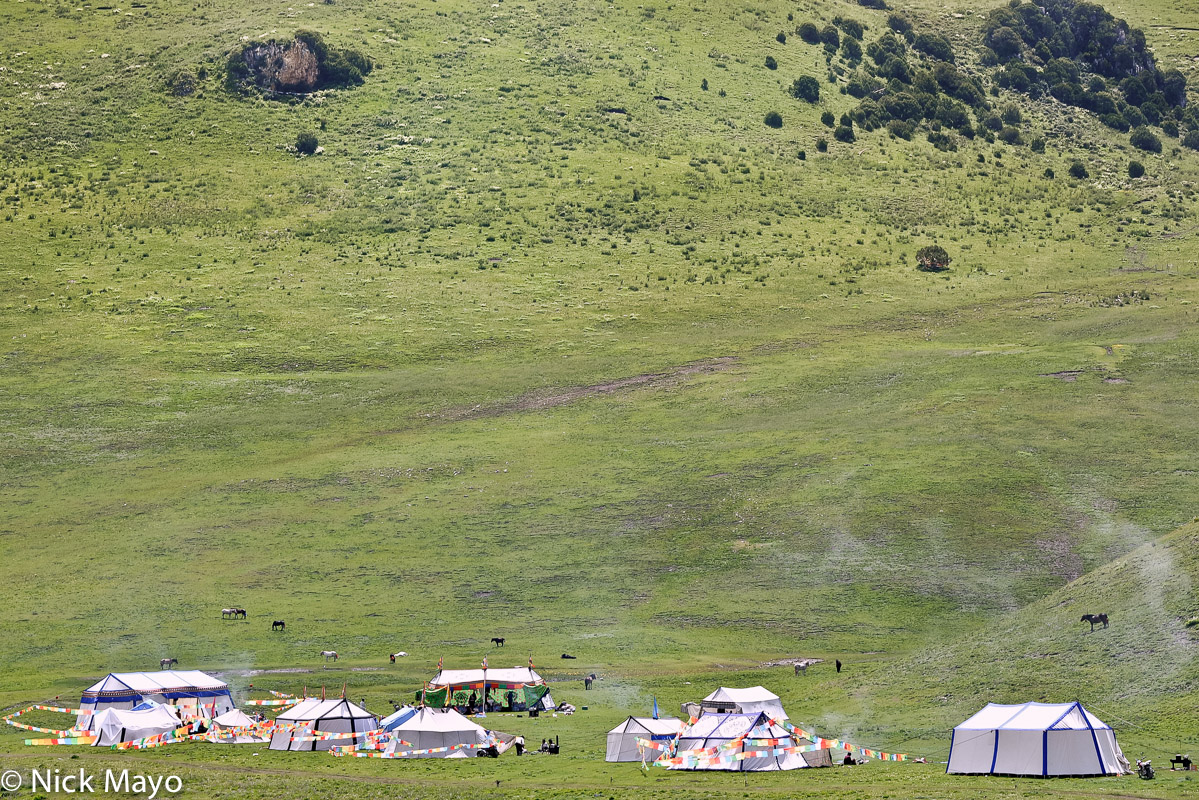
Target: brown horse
column 1095, row 619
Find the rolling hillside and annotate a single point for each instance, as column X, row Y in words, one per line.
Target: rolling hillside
column 559, row 338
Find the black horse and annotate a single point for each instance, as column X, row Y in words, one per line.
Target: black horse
column 278, row 625
column 1095, row 619
column 499, row 641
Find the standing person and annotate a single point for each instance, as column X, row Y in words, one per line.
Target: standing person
column 838, row 665
column 519, row 743
column 470, row 703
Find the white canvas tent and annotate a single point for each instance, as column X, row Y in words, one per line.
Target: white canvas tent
column 1037, row 739
column 113, row 725
column 744, row 701
column 315, row 715
column 236, row 727
column 199, row 693
column 719, row 730
column 433, row 729
column 622, row 740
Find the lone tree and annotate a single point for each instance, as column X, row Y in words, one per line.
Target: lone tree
column 932, row 258
column 806, row 88
column 774, row 119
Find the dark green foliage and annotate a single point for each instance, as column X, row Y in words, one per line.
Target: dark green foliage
column 900, row 129
column 932, row 258
column 1011, row 114
column 851, row 27
column 879, row 4
column 1037, row 145
column 830, row 37
column 896, row 67
column 992, row 122
column 1170, row 128
column 704, row 84
column 1116, row 122
column 887, row 46
column 1134, row 116
column 809, row 33
column 781, row 38
column 934, row 45
column 306, row 143
column 844, row 133
column 861, row 85
column 1191, row 139
column 1144, row 139
column 828, row 119
column 183, row 84
column 260, row 65
column 771, row 63
column 822, row 145
column 1004, row 42
column 903, row 106
column 1010, row 135
column 1135, row 169
column 851, row 49
column 942, row 141
column 774, row 119
column 806, row 88
column 1049, row 173
column 1079, row 170
column 802, row 155
column 898, row 23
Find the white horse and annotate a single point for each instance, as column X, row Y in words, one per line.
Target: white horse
column 329, row 654
column 228, row 612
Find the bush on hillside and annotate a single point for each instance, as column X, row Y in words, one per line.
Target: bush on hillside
column 1079, row 170
column 771, row 63
column 806, row 88
column 306, row 143
column 774, row 119
column 935, row 45
column 1191, row 139
column 1135, row 169
column 1144, row 139
column 304, row 64
column 932, row 258
column 809, row 33
column 844, row 133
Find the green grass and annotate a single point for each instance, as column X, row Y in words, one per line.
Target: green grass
column 351, row 390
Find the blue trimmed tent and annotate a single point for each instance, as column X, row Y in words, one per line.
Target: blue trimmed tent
column 193, row 690
column 1037, row 740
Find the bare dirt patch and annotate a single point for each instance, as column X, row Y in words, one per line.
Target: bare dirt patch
column 1069, row 375
column 790, row 662
column 552, row 398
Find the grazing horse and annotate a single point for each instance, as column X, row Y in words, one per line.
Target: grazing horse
column 499, row 641
column 167, row 662
column 329, row 654
column 239, row 612
column 1095, row 619
column 278, row 625
column 228, row 613
column 801, row 667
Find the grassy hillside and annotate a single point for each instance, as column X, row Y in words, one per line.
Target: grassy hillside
column 551, row 342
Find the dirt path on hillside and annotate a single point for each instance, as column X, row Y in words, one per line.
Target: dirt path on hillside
column 542, row 399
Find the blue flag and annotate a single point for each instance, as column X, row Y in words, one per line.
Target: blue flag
column 655, row 708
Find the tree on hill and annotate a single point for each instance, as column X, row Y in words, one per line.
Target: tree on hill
column 1144, row 139
column 774, row 119
column 306, row 143
column 806, row 88
column 932, row 258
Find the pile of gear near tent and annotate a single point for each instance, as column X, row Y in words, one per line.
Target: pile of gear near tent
column 319, row 724
column 622, row 740
column 514, row 689
column 1035, row 739
column 194, row 693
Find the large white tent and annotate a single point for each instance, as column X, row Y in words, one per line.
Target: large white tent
column 744, row 701
column 198, row 693
column 113, row 725
column 313, row 716
column 622, row 740
column 434, row 729
column 1037, row 739
column 720, row 730
column 236, row 727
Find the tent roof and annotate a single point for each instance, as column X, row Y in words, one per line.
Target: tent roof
column 1032, row 717
column 754, row 694
column 666, row 726
column 234, row 719
column 454, row 677
column 157, row 682
column 730, row 726
column 428, row 719
column 316, row 708
column 396, row 717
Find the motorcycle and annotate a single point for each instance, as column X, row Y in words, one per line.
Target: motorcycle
column 1144, row 769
